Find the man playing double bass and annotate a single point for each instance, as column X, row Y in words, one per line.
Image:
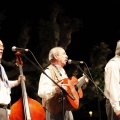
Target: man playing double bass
column 51, row 93
column 5, row 88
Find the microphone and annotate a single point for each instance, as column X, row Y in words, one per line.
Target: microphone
column 74, row 62
column 14, row 48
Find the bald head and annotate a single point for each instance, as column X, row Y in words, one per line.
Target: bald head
column 117, row 52
column 1, row 43
column 1, row 48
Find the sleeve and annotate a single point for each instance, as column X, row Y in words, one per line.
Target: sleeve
column 13, row 83
column 113, row 85
column 46, row 88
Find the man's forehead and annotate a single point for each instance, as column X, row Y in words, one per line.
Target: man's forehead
column 62, row 51
column 1, row 43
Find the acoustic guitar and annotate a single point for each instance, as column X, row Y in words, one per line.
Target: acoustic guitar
column 74, row 89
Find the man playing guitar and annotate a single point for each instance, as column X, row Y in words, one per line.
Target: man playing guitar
column 57, row 108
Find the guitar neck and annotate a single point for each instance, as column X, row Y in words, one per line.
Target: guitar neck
column 81, row 82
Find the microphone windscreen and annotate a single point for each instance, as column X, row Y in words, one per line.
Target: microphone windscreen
column 13, row 48
column 69, row 61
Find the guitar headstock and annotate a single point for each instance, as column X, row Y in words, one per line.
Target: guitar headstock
column 84, row 77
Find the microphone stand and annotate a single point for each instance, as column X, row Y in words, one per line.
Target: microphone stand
column 63, row 91
column 97, row 88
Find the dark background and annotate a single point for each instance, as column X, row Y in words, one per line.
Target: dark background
column 100, row 23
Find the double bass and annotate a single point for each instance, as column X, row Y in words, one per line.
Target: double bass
column 25, row 108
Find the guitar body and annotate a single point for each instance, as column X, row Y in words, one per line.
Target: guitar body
column 54, row 104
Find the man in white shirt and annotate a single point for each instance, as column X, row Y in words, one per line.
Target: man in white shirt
column 112, row 86
column 50, row 92
column 5, row 88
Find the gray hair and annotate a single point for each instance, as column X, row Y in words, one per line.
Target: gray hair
column 117, row 51
column 53, row 51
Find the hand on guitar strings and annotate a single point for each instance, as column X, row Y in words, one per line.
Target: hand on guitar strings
column 63, row 85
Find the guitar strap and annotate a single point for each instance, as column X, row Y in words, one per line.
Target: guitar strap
column 55, row 74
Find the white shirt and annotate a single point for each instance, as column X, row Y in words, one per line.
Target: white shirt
column 5, row 91
column 112, row 82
